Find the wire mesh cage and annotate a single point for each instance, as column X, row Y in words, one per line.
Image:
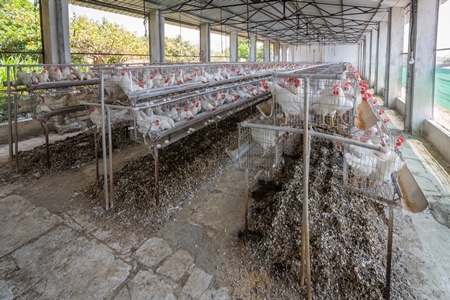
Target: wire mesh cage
column 259, row 148
column 137, row 83
column 190, row 111
column 338, row 105
column 332, row 94
column 369, row 171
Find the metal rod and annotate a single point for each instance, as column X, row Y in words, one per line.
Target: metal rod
column 108, row 105
column 105, row 170
column 302, row 259
column 374, row 197
column 111, row 181
column 61, row 84
column 16, row 131
column 345, row 167
column 8, row 75
column 318, row 134
column 47, row 146
column 389, row 253
column 305, row 225
column 246, row 204
column 155, row 153
column 97, row 173
column 207, row 89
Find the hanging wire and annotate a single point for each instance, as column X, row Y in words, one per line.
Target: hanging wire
column 249, row 45
column 221, row 32
column 179, row 23
column 145, row 21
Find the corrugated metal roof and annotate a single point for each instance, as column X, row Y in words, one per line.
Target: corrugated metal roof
column 308, row 21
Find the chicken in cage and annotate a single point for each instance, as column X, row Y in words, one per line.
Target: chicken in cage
column 371, row 171
column 175, row 111
column 27, row 75
column 333, row 94
column 132, row 82
column 289, row 103
column 261, row 148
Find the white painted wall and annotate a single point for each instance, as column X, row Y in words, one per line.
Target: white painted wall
column 341, row 53
column 310, row 53
column 327, row 53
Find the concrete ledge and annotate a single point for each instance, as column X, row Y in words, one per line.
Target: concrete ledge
column 400, row 106
column 439, row 137
column 27, row 128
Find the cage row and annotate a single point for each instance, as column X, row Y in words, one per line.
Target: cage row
column 332, row 103
column 144, row 75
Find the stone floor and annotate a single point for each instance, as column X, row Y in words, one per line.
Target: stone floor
column 49, row 256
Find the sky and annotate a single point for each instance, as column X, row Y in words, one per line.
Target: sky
column 219, row 43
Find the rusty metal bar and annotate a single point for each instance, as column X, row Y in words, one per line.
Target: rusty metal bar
column 305, row 225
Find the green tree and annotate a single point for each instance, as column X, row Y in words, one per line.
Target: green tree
column 260, row 53
column 92, row 41
column 104, row 41
column 177, row 50
column 243, row 50
column 20, row 26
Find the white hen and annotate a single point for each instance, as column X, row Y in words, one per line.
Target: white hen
column 291, row 104
column 266, row 138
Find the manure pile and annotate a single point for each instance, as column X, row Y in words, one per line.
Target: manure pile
column 72, row 152
column 348, row 233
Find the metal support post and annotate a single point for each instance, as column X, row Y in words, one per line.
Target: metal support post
column 16, row 131
column 155, row 153
column 389, row 252
column 246, row 203
column 8, row 76
column 111, row 182
column 105, row 169
column 305, row 222
column 47, row 146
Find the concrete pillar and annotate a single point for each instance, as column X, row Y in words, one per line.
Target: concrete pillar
column 293, row 49
column 381, row 59
column 284, row 52
column 394, row 56
column 252, row 47
column 367, row 56
column 289, row 53
column 266, row 50
column 420, row 103
column 55, row 31
column 360, row 57
column 205, row 42
column 233, row 46
column 373, row 57
column 276, row 51
column 156, row 36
